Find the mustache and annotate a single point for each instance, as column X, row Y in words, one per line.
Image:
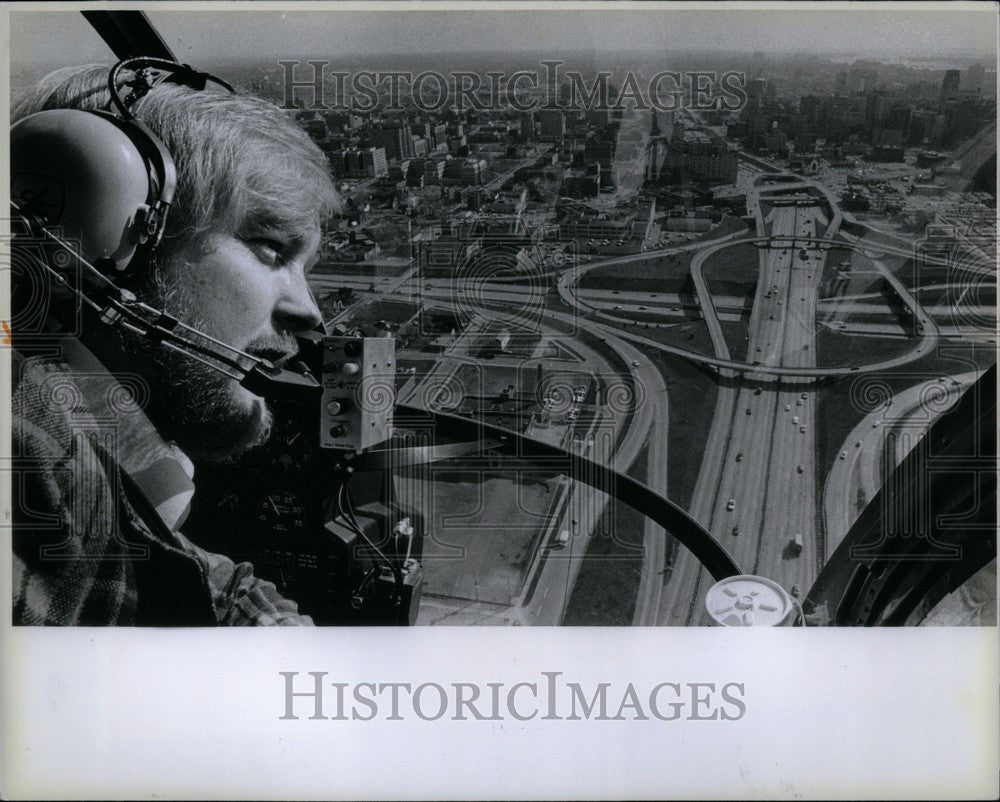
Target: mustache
column 276, row 349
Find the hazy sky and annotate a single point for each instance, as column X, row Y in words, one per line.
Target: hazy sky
column 899, row 31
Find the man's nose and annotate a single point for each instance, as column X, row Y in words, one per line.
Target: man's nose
column 296, row 310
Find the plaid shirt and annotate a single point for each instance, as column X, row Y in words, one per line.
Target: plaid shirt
column 98, row 497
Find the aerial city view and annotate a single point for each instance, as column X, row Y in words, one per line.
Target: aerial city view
column 750, row 280
column 747, row 309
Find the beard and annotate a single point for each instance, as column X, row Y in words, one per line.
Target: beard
column 206, row 413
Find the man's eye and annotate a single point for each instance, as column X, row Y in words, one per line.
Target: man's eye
column 267, row 250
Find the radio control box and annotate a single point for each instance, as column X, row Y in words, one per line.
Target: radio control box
column 359, row 392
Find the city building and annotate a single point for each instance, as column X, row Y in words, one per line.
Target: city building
column 577, row 221
column 552, row 124
column 950, row 85
column 708, row 161
column 527, row 125
column 395, row 138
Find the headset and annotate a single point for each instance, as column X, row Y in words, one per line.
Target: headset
column 98, row 185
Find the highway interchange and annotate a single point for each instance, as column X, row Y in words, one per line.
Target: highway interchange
column 759, row 491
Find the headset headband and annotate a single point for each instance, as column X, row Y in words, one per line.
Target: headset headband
column 147, row 74
column 144, row 69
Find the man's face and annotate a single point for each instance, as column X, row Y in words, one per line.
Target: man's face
column 248, row 289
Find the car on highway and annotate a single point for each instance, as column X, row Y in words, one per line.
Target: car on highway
column 635, row 363
column 736, row 530
column 802, row 429
column 731, row 504
column 795, row 420
column 788, row 407
column 799, row 469
column 843, row 455
column 749, row 411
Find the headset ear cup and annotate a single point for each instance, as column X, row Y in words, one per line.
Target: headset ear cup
column 107, row 183
column 151, row 218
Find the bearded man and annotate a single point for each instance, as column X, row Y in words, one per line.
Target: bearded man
column 106, row 421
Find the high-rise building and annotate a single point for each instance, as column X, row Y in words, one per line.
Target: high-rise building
column 950, row 85
column 552, row 124
column 374, row 163
column 355, row 163
column 439, row 135
column 465, row 171
column 776, row 140
column 809, row 108
column 395, row 138
column 398, row 170
column 433, row 171
column 974, row 78
column 527, row 120
column 707, row 161
column 338, row 162
column 418, row 146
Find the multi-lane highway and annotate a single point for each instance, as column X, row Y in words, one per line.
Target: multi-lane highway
column 759, row 488
column 756, row 485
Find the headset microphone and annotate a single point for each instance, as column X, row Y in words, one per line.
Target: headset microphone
column 119, row 307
